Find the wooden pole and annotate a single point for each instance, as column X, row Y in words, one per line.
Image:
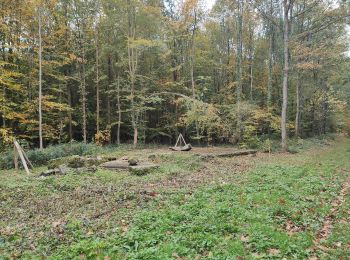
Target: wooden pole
column 15, row 157
column 18, row 148
column 177, row 140
column 26, row 157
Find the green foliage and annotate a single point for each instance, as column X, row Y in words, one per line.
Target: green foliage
column 221, row 122
column 244, row 217
column 42, row 157
column 204, row 116
column 165, row 51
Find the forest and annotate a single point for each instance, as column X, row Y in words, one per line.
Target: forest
column 251, row 96
column 143, row 71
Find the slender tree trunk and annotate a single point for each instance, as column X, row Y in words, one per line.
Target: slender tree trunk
column 193, row 83
column 83, row 80
column 251, row 50
column 135, row 136
column 97, row 82
column 70, row 124
column 83, row 89
column 118, row 110
column 110, row 84
column 3, row 112
column 132, row 57
column 109, row 111
column 174, row 61
column 270, row 69
column 66, row 73
column 110, row 81
column 40, row 84
column 297, row 114
column 239, row 53
column 287, row 5
column 3, row 88
column 239, row 67
column 324, row 108
column 251, row 82
column 83, row 83
column 299, row 79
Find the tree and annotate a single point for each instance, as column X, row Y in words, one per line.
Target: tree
column 40, row 81
column 287, row 8
column 123, row 67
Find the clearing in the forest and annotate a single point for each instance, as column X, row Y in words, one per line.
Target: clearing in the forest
column 190, row 207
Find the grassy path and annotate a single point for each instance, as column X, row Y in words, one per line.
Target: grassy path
column 292, row 206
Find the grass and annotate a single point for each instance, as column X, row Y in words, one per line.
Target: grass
column 269, row 206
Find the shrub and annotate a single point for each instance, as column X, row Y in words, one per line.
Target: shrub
column 103, row 138
column 41, row 157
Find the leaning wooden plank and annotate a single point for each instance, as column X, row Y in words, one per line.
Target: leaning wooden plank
column 15, row 157
column 22, row 157
column 26, row 157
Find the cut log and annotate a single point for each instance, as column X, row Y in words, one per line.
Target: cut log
column 226, row 154
column 143, row 169
column 117, row 164
column 60, row 170
column 50, row 172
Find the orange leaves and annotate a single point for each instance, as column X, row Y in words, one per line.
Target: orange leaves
column 308, row 65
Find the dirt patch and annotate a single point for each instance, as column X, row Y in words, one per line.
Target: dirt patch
column 292, row 228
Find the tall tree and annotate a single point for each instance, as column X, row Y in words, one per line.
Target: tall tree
column 40, row 80
column 287, row 7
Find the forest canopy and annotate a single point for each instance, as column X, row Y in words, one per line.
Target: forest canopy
column 113, row 71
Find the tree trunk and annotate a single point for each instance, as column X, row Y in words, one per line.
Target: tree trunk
column 239, row 66
column 3, row 112
column 70, row 124
column 270, row 70
column 297, row 114
column 239, row 53
column 324, row 109
column 83, row 90
column 132, row 60
column 135, row 136
column 40, row 85
column 193, row 83
column 118, row 110
column 251, row 51
column 110, row 81
column 287, row 5
column 97, row 83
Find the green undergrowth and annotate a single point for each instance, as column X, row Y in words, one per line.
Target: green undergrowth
column 339, row 241
column 42, row 157
column 273, row 211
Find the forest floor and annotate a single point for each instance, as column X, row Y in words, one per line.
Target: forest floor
column 264, row 206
